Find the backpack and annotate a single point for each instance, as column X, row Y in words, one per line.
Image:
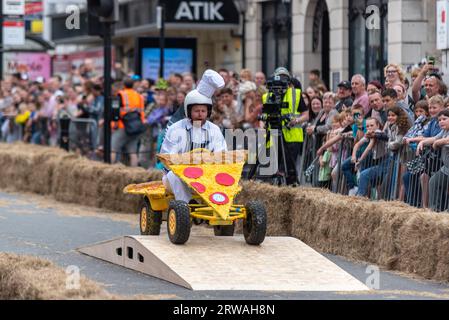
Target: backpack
column 133, row 123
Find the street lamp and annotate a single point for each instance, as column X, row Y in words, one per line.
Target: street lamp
column 242, row 7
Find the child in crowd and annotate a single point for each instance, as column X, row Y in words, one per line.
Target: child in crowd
column 395, row 129
column 384, row 145
column 436, row 105
column 328, row 161
column 421, row 123
column 439, row 182
column 380, row 160
column 355, row 127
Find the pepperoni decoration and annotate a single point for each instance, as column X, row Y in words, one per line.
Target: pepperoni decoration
column 198, row 187
column 224, row 179
column 193, row 173
column 219, row 198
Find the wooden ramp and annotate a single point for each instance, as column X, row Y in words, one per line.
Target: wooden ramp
column 228, row 263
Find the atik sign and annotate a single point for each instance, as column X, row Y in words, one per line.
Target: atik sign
column 442, row 25
column 216, row 12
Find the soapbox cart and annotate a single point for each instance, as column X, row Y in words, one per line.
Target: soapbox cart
column 214, row 181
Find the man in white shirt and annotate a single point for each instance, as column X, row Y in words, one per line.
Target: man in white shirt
column 194, row 131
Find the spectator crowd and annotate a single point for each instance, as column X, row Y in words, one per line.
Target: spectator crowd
column 380, row 140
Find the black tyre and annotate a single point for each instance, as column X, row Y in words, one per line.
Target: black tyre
column 224, row 231
column 150, row 221
column 255, row 224
column 178, row 222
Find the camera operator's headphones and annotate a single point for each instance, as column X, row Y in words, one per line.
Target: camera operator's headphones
column 194, row 98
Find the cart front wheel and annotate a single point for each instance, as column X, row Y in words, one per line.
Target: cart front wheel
column 178, row 222
column 255, row 224
column 150, row 221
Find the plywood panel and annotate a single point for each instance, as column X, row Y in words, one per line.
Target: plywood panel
column 206, row 262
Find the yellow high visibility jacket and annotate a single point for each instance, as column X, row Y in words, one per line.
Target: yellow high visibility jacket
column 290, row 134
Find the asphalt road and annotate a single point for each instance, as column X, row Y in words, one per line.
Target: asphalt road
column 33, row 226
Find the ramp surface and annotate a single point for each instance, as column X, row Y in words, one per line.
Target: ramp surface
column 228, row 263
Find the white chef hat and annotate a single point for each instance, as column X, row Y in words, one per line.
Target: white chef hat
column 210, row 82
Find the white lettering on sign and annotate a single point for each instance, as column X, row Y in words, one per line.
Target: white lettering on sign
column 197, row 10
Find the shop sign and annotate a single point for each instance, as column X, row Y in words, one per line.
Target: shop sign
column 34, row 64
column 219, row 12
column 14, row 7
column 442, row 25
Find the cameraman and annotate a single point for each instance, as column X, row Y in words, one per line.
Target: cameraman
column 296, row 113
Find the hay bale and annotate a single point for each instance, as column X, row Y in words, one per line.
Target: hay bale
column 424, row 243
column 277, row 201
column 69, row 177
column 31, row 278
column 390, row 234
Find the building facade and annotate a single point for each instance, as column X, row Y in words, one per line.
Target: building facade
column 214, row 26
column 340, row 37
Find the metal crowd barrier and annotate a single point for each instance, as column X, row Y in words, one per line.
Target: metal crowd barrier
column 80, row 135
column 421, row 181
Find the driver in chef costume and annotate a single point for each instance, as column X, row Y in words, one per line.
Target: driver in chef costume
column 194, row 131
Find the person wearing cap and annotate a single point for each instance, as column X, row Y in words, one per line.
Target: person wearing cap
column 194, row 131
column 292, row 134
column 130, row 101
column 344, row 93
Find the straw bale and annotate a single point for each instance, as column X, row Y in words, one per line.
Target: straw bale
column 390, row 234
column 31, row 278
column 278, row 204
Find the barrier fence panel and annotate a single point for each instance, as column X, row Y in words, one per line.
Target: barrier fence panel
column 308, row 155
column 343, row 173
column 439, row 181
column 83, row 135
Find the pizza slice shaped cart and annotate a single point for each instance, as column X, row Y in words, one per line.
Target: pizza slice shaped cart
column 214, row 181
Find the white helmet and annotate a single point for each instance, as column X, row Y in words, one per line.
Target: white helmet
column 194, row 98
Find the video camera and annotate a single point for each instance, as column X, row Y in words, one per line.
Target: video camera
column 271, row 111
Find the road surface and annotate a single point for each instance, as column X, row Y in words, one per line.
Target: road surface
column 39, row 226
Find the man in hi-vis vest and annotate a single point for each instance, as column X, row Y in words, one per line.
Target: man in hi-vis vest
column 130, row 101
column 293, row 135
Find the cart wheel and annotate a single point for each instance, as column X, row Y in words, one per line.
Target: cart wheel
column 150, row 221
column 255, row 224
column 224, row 231
column 178, row 222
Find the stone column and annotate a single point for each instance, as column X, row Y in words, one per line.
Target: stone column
column 411, row 31
column 339, row 40
column 303, row 57
column 254, row 37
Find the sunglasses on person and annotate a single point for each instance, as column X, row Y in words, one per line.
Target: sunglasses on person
column 391, row 71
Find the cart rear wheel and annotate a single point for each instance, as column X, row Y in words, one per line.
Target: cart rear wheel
column 255, row 224
column 178, row 222
column 224, row 231
column 150, row 221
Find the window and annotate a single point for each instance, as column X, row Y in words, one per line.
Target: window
column 368, row 48
column 276, row 39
